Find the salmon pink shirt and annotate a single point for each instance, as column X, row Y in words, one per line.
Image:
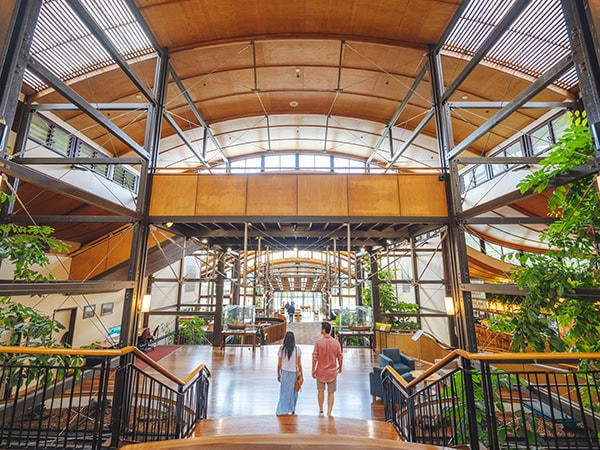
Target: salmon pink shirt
column 328, row 355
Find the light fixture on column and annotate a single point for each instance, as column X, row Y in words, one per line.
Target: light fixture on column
column 146, row 300
column 449, row 301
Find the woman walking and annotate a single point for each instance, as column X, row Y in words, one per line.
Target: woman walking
column 289, row 366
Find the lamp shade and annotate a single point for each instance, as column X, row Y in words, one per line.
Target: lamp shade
column 449, row 301
column 146, row 300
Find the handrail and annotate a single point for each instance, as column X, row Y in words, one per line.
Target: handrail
column 489, row 357
column 107, row 353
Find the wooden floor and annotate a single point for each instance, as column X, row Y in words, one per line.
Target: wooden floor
column 243, row 398
column 244, row 383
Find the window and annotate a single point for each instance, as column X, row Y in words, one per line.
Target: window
column 39, row 129
column 541, row 139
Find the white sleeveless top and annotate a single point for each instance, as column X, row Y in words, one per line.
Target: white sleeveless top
column 289, row 364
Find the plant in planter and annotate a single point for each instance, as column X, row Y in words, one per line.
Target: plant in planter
column 388, row 303
column 551, row 315
column 192, row 331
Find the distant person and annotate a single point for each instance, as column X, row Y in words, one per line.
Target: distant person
column 326, row 365
column 291, row 311
column 289, row 366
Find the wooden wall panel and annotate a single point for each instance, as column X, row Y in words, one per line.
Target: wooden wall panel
column 272, row 195
column 89, row 261
column 322, row 195
column 119, row 248
column 373, row 195
column 173, row 195
column 422, row 195
column 221, row 195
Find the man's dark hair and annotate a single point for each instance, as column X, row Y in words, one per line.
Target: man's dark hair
column 326, row 326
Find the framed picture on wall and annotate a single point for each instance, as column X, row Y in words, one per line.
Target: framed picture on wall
column 88, row 311
column 106, row 309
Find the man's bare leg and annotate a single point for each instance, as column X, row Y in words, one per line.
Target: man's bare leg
column 329, row 402
column 320, row 398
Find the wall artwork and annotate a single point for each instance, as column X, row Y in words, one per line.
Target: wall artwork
column 88, row 311
column 106, row 309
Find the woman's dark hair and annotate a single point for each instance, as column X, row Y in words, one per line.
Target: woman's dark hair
column 289, row 344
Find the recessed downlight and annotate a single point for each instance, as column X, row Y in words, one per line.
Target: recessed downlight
column 294, row 103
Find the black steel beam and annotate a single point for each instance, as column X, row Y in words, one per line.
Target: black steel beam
column 533, row 89
column 499, row 160
column 416, row 132
column 573, row 175
column 513, row 289
column 69, row 219
column 393, row 120
column 584, row 47
column 184, row 138
column 199, row 117
column 396, row 220
column 62, row 287
column 69, row 93
column 98, row 106
column 17, row 44
column 68, row 161
column 52, row 184
column 500, row 105
column 510, row 220
column 100, row 35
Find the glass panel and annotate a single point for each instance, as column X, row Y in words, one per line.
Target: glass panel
column 39, row 129
column 288, row 162
column 558, row 126
column 322, row 163
column 272, row 162
column 541, row 139
column 60, row 141
column 480, row 175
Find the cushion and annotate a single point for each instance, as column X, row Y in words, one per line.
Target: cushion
column 401, row 368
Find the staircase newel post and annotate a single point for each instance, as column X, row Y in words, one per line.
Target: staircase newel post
column 488, row 400
column 469, row 389
column 179, row 413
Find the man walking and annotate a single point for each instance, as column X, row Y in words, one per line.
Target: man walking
column 326, row 364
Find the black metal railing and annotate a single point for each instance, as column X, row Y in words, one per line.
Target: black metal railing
column 80, row 399
column 498, row 401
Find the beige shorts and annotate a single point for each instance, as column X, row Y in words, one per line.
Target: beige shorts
column 331, row 386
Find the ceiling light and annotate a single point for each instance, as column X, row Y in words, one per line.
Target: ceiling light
column 169, row 224
column 204, row 241
column 464, row 97
column 294, row 103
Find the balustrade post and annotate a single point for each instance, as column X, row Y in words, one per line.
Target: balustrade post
column 488, row 400
column 469, row 388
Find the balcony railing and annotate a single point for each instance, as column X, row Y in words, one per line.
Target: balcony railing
column 498, row 401
column 103, row 402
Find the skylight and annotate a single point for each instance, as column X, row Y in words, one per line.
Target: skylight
column 63, row 44
column 536, row 40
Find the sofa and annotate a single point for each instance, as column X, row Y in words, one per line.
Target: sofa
column 399, row 361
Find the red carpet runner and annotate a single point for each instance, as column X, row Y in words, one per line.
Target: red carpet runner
column 158, row 353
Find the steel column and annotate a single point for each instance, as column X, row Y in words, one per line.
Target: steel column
column 374, row 276
column 13, row 62
column 455, row 245
column 584, row 45
column 141, row 231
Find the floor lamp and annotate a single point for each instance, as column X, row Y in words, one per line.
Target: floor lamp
column 415, row 337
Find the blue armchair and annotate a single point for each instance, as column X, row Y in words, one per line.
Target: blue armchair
column 375, row 384
column 400, row 362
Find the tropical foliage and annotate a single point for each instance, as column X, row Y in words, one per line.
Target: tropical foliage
column 552, row 315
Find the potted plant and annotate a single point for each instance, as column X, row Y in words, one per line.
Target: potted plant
column 192, row 331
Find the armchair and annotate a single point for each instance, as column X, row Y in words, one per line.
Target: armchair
column 400, row 362
column 375, row 385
